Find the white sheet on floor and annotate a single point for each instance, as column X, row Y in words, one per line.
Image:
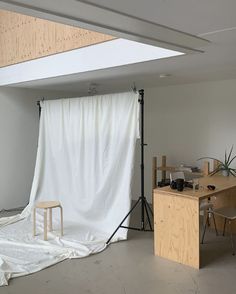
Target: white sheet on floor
column 85, row 161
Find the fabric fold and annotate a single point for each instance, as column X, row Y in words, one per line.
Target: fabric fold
column 84, row 160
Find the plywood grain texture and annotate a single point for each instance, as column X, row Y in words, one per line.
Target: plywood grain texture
column 24, row 38
column 176, row 228
column 176, row 217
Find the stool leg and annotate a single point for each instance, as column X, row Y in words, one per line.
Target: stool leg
column 50, row 219
column 61, row 220
column 34, row 222
column 45, row 225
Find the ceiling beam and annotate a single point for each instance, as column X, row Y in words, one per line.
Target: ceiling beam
column 101, row 19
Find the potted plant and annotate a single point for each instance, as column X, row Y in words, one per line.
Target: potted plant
column 224, row 166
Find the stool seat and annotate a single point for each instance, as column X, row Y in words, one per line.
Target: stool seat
column 47, row 205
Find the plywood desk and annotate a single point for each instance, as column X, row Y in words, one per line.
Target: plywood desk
column 177, row 218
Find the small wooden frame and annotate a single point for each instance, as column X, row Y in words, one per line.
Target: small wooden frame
column 164, row 168
column 206, row 168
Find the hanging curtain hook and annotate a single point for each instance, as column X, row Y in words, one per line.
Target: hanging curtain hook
column 92, row 90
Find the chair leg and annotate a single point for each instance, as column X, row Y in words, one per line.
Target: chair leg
column 45, row 225
column 214, row 220
column 204, row 230
column 231, row 238
column 208, row 222
column 224, row 226
column 61, row 220
column 34, row 222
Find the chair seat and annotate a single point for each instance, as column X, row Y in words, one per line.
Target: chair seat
column 48, row 204
column 226, row 212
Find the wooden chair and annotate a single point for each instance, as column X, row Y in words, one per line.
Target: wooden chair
column 47, row 205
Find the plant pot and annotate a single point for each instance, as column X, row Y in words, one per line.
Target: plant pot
column 225, row 173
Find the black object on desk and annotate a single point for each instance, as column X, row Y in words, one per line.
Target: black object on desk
column 163, row 183
column 211, row 187
column 182, row 185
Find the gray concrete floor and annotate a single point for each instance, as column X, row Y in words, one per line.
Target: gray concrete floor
column 129, row 267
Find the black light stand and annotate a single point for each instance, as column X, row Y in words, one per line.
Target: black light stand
column 145, row 207
column 39, row 106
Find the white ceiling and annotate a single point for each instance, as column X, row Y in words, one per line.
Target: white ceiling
column 211, row 19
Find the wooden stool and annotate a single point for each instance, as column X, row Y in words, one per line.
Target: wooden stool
column 47, row 205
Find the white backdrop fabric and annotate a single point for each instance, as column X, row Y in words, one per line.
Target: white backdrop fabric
column 85, row 160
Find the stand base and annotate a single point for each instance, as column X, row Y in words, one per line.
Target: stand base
column 145, row 207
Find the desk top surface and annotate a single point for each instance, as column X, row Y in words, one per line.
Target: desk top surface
column 220, row 182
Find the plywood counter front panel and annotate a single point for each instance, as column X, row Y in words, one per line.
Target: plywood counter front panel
column 176, row 228
column 24, row 38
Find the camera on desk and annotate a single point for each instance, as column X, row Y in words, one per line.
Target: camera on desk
column 178, row 184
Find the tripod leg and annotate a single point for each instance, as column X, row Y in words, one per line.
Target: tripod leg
column 137, row 202
column 149, row 207
column 149, row 221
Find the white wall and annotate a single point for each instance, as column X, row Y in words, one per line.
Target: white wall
column 18, row 143
column 186, row 122
column 183, row 122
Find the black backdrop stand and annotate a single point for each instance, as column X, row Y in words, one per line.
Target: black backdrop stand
column 39, row 106
column 145, row 207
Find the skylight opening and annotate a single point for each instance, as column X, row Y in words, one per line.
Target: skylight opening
column 114, row 53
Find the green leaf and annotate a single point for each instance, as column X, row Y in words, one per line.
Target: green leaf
column 232, row 173
column 231, row 160
column 230, row 153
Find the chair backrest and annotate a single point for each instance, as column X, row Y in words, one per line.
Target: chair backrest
column 177, row 175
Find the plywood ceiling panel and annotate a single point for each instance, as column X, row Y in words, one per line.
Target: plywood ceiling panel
column 24, row 38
